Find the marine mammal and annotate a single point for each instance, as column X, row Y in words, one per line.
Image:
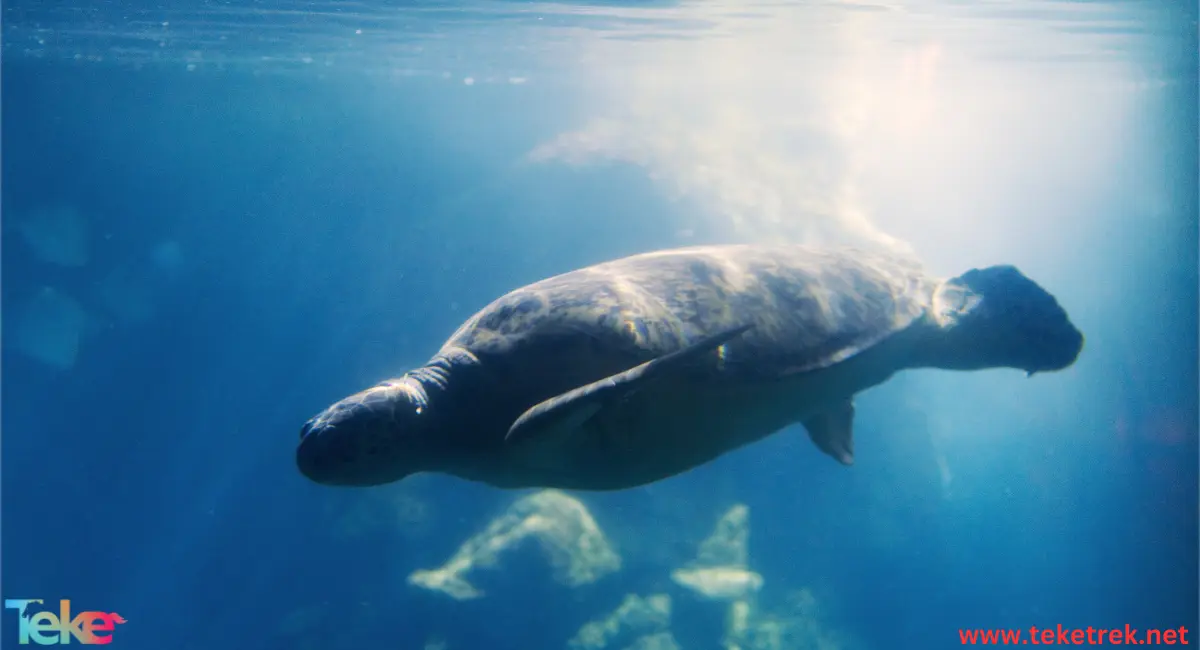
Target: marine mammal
column 630, row 371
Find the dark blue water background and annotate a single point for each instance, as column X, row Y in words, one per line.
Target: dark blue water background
column 334, row 228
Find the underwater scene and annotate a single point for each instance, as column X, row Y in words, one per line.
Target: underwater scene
column 586, row 325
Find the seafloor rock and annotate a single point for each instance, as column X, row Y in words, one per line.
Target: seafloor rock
column 636, row 616
column 799, row 625
column 719, row 583
column 568, row 535
column 728, row 545
column 719, row 571
column 659, row 641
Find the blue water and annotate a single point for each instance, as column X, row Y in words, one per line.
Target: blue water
column 271, row 206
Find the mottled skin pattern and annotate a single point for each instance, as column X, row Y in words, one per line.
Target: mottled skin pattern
column 825, row 326
column 809, row 310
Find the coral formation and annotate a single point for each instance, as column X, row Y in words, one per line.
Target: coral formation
column 719, row 571
column 566, row 532
column 659, row 641
column 644, row 617
column 798, row 625
column 720, row 575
